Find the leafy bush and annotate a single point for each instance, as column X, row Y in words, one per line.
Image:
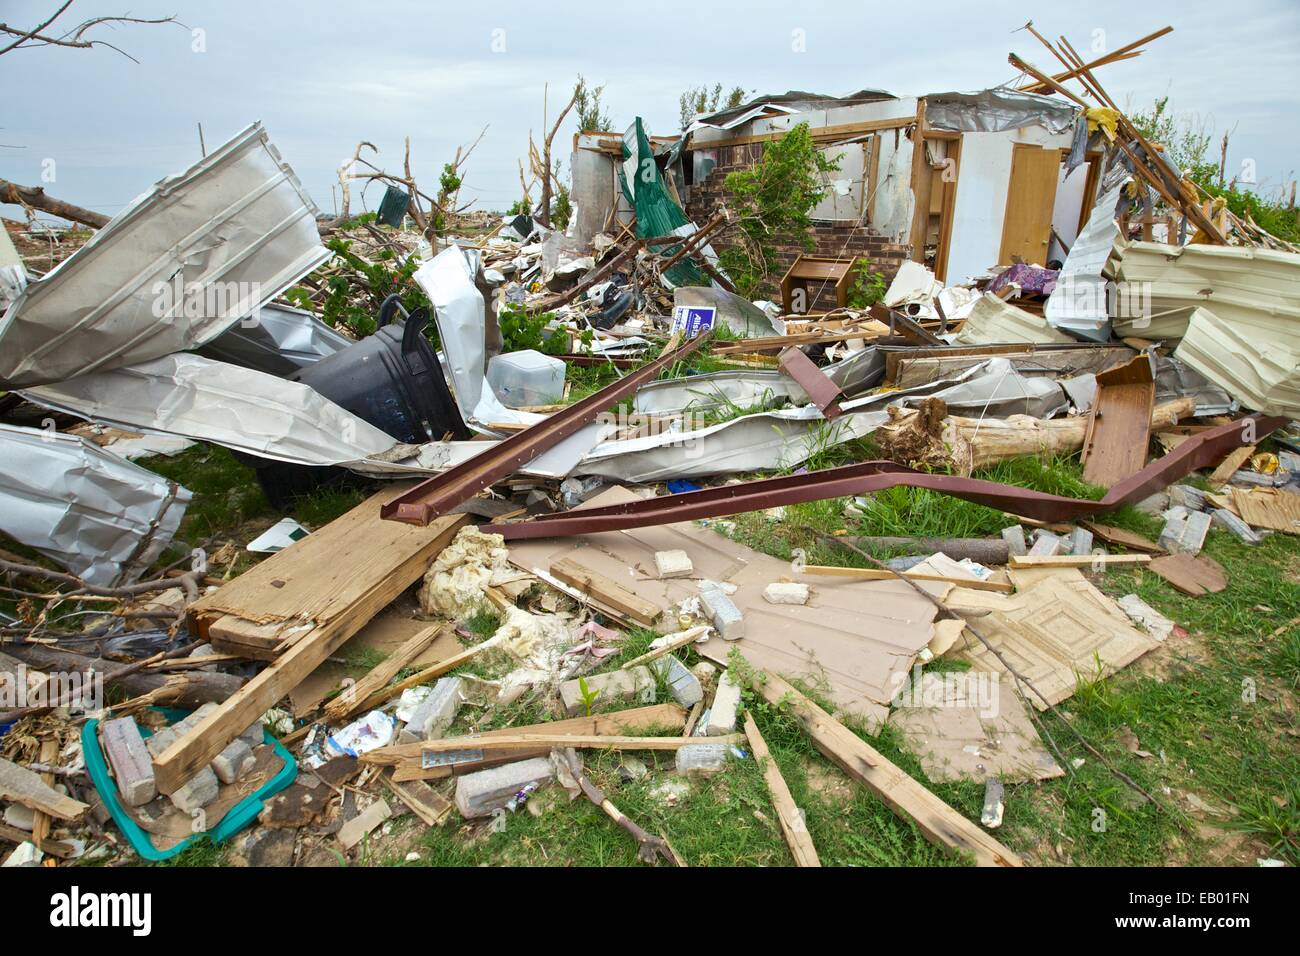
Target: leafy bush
column 868, row 287
column 770, row 204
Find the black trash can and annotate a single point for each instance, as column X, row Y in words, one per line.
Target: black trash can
column 391, row 380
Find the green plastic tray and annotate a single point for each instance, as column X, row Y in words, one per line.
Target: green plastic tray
column 238, row 817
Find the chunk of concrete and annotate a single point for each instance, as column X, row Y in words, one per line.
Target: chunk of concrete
column 436, row 713
column 1046, row 544
column 1184, row 531
column 1015, row 539
column 200, row 790
column 674, row 564
column 480, row 793
column 725, row 708
column 702, row 758
column 785, row 592
column 130, row 759
column 1193, row 499
column 1080, row 541
column 234, row 762
column 723, row 613
column 636, row 683
column 1223, row 518
column 684, row 685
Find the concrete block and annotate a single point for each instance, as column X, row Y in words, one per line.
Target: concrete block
column 1193, row 499
column 198, row 791
column 437, row 711
column 234, row 762
column 253, row 736
column 685, row 686
column 725, row 708
column 1223, row 518
column 1046, row 544
column 1080, row 541
column 130, row 759
column 1015, row 539
column 1184, row 531
column 636, row 683
column 674, row 564
column 785, row 593
column 723, row 613
column 1154, row 504
column 478, row 794
column 702, row 758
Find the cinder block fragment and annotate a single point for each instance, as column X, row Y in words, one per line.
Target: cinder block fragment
column 685, row 685
column 724, row 614
column 673, row 564
column 1080, row 541
column 1223, row 518
column 725, row 708
column 130, row 759
column 636, row 683
column 197, row 792
column 436, row 712
column 784, row 592
column 478, row 794
column 1046, row 544
column 1015, row 539
column 234, row 762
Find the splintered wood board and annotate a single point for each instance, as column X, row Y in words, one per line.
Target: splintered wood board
column 1268, row 508
column 366, row 559
column 1192, row 575
column 1119, row 426
column 606, row 590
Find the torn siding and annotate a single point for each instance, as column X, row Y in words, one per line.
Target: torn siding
column 183, row 263
column 101, row 517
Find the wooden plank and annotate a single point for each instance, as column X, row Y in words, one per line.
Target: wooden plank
column 938, row 822
column 354, row 697
column 880, row 574
column 425, row 802
column 1075, row 560
column 1122, row 537
column 688, row 636
column 1119, row 424
column 1192, row 575
column 385, row 574
column 41, row 821
column 578, row 741
column 51, row 847
column 1268, row 508
column 20, row 785
column 667, row 716
column 606, row 590
column 429, row 673
column 788, row 815
column 1230, row 464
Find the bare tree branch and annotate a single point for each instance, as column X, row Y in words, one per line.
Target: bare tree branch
column 76, row 37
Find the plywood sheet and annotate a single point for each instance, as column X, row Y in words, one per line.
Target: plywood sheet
column 1051, row 632
column 1273, row 508
column 1119, row 425
column 971, row 726
column 850, row 640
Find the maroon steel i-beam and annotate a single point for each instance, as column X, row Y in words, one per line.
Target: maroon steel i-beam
column 872, row 476
column 440, row 494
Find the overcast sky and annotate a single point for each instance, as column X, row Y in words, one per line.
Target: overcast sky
column 324, row 75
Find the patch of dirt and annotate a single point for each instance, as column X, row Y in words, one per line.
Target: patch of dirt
column 830, row 782
column 1175, row 655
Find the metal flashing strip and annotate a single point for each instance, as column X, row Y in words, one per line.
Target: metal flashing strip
column 872, row 476
column 438, row 495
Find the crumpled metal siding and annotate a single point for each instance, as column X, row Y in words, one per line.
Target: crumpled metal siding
column 101, row 517
column 993, row 111
column 238, row 217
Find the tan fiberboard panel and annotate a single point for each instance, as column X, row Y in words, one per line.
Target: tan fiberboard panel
column 858, row 638
column 1055, row 628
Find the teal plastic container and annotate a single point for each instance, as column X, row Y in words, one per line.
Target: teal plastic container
column 238, row 817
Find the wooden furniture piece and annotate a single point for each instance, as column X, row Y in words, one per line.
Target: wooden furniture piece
column 817, row 269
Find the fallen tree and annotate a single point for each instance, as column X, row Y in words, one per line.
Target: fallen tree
column 928, row 437
column 33, row 197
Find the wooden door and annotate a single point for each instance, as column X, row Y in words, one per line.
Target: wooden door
column 1031, row 194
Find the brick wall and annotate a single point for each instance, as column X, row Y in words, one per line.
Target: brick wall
column 836, row 239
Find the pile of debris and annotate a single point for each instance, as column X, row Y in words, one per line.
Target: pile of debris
column 525, row 392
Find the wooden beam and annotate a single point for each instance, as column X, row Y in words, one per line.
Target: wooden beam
column 879, row 574
column 20, row 785
column 577, row 741
column 606, row 591
column 938, row 822
column 788, row 815
column 391, row 569
column 1075, row 560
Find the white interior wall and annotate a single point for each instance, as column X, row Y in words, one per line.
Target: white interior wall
column 843, row 199
column 982, row 180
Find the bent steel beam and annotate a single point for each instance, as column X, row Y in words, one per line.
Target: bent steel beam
column 438, row 495
column 872, row 476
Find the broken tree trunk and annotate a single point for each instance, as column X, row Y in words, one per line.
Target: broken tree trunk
column 927, row 436
column 34, row 197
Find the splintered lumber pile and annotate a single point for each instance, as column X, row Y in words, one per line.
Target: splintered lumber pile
column 938, row 822
column 929, row 436
column 304, row 601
